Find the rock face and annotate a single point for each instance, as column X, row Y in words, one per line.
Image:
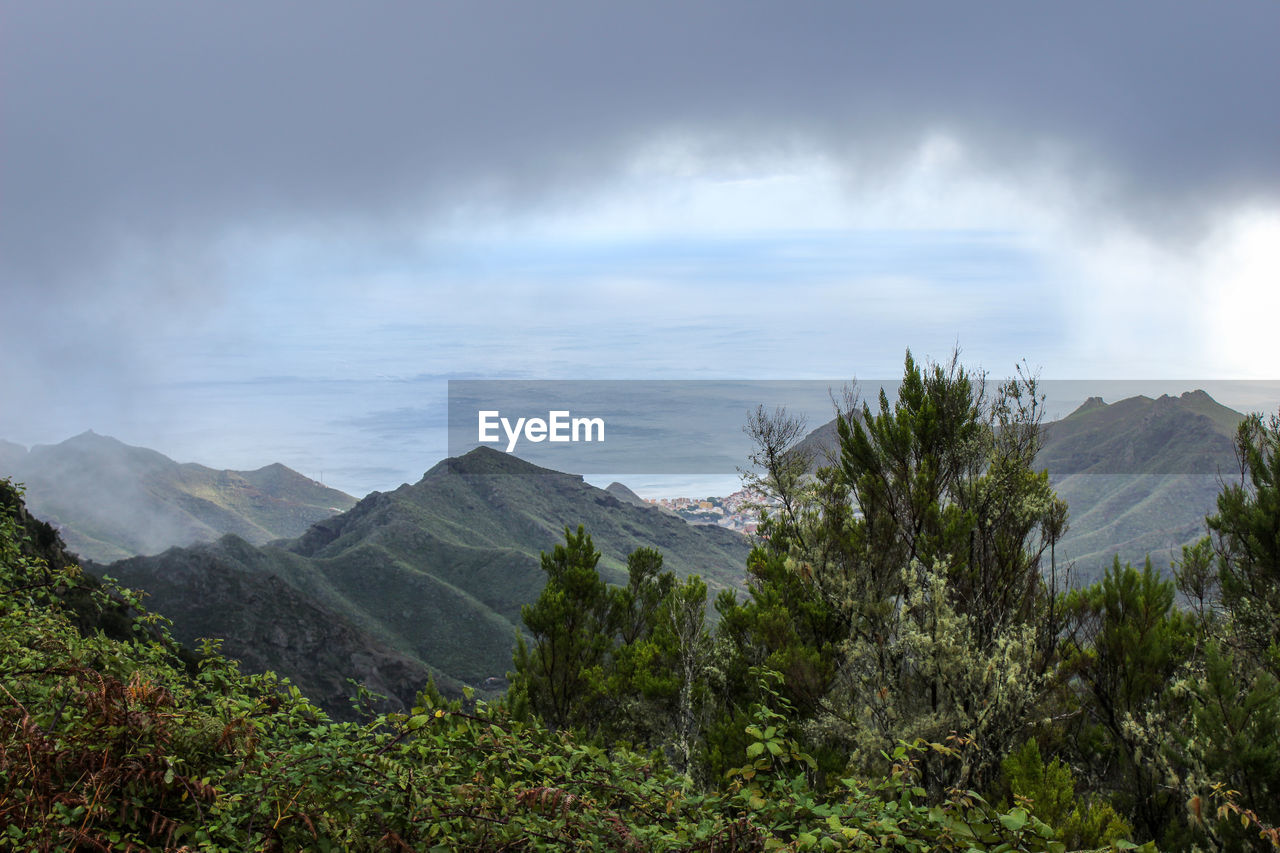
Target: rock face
column 110, row 500
column 428, row 579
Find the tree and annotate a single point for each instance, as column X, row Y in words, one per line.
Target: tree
column 627, row 663
column 637, row 604
column 1050, row 788
column 1131, row 644
column 1246, row 532
column 1225, row 736
column 780, row 468
column 558, row 679
column 684, row 621
column 783, row 626
column 640, row 684
column 922, row 549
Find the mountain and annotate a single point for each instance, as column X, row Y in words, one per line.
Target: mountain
column 1191, row 434
column 241, row 594
column 110, row 500
column 431, row 575
column 822, row 444
column 1139, row 475
column 625, row 495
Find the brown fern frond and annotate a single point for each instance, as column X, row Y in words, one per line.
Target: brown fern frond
column 393, row 842
column 624, row 833
column 545, row 799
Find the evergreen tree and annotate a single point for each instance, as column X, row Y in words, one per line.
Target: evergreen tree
column 559, row 678
column 1246, row 530
column 1131, row 644
column 641, row 682
column 918, row 560
column 1227, row 752
column 626, row 664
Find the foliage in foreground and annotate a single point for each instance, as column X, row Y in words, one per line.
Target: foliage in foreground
column 910, row 589
column 118, row 743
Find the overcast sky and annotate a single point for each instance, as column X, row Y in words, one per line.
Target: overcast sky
column 242, row 233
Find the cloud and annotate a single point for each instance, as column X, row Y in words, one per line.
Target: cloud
column 153, row 124
column 325, row 190
column 1241, row 269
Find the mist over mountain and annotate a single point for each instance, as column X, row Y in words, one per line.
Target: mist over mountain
column 111, row 500
column 11, row 454
column 427, row 578
column 1139, row 475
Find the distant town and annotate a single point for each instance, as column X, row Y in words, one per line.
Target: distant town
column 739, row 511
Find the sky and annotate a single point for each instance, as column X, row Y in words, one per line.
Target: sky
column 247, row 233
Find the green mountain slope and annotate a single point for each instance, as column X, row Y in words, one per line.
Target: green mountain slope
column 1191, row 434
column 111, row 500
column 1139, row 475
column 240, row 594
column 435, row 571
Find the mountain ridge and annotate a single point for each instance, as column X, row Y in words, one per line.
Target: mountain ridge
column 434, row 572
column 112, row 500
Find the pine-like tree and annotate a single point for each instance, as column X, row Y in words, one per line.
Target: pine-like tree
column 559, row 677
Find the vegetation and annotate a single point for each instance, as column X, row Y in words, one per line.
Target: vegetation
column 911, row 593
column 119, row 743
column 907, row 671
